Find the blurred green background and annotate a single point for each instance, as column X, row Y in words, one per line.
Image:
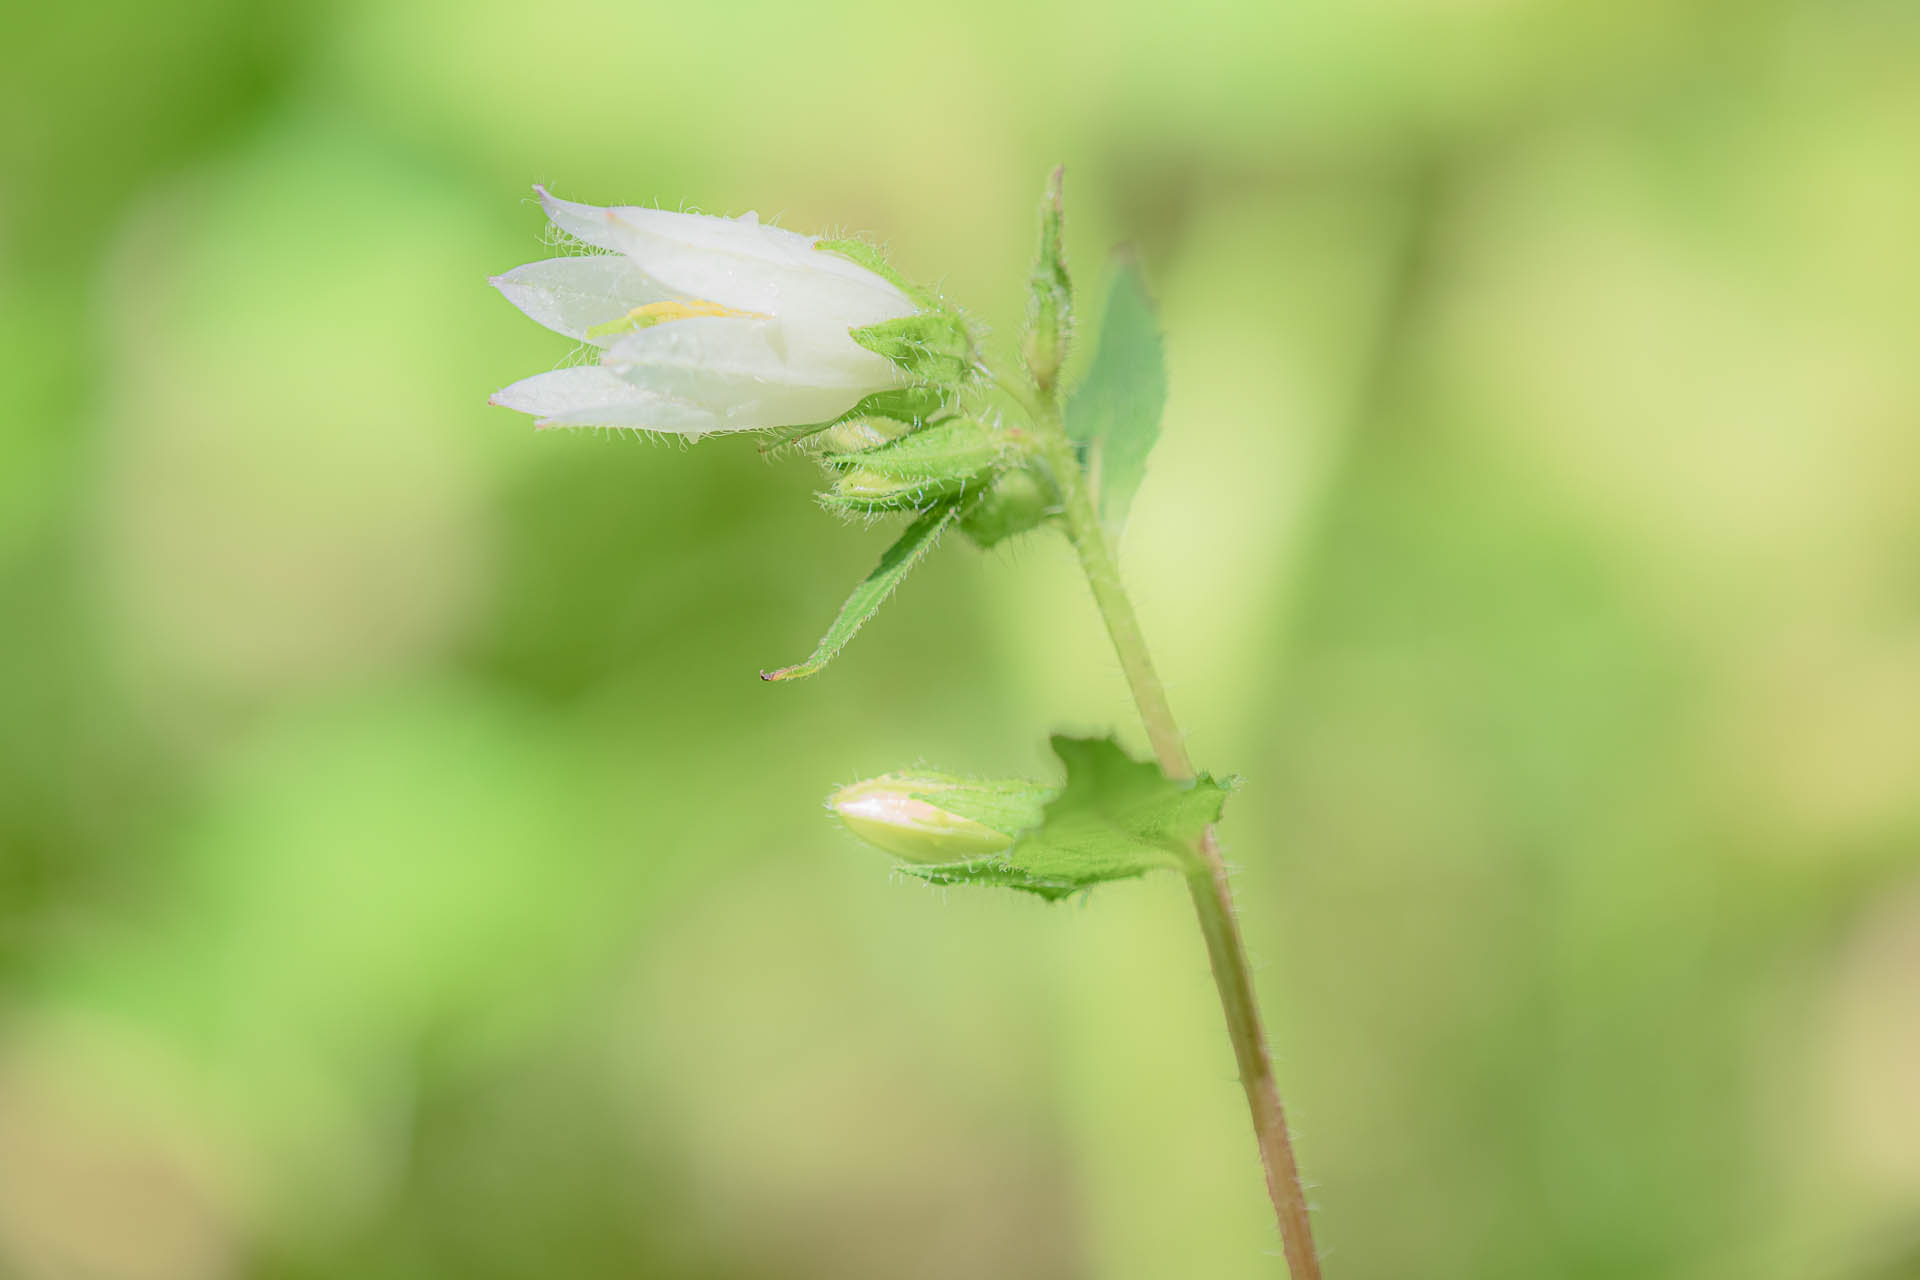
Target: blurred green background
column 403, row 873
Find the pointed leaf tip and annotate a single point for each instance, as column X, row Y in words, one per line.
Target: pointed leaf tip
column 898, row 561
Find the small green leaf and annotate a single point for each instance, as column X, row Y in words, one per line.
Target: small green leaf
column 1115, row 411
column 933, row 347
column 1116, row 818
column 867, row 598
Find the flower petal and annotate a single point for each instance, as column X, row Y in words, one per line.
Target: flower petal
column 752, row 372
column 736, row 262
column 591, row 396
column 574, row 295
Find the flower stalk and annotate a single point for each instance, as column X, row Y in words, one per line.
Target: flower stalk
column 1207, row 882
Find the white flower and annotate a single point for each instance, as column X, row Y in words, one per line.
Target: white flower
column 704, row 324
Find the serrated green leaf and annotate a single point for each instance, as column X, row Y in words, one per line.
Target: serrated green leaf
column 1115, row 412
column 873, row 591
column 1115, row 818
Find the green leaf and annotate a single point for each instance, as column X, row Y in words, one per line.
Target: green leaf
column 1115, row 411
column 1116, row 818
column 867, row 598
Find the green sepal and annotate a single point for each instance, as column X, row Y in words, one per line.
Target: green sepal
column 932, row 346
column 1050, row 292
column 1011, row 806
column 863, row 254
column 914, row 406
column 1116, row 818
column 1016, row 502
column 900, row 558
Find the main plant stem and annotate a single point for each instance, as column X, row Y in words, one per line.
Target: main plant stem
column 1207, row 881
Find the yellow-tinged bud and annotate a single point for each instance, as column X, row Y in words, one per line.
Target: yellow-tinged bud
column 854, row 435
column 935, row 817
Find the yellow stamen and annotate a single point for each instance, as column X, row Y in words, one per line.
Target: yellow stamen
column 661, row 312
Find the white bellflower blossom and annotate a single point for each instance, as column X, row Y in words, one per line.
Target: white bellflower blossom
column 702, row 323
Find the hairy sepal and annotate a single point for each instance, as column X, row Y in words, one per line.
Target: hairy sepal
column 870, row 256
column 932, row 347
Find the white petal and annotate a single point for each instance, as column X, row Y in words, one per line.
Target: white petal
column 572, row 295
column 591, row 396
column 736, row 262
column 752, row 373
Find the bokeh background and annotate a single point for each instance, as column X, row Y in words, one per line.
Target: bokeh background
column 404, row 874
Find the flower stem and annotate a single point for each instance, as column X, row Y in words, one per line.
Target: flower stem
column 1207, row 881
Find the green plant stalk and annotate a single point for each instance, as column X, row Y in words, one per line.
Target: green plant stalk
column 1207, row 881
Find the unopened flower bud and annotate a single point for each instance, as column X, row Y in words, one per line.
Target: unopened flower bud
column 856, row 435
column 1050, row 292
column 859, row 489
column 943, row 460
column 1017, row 501
column 936, row 817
